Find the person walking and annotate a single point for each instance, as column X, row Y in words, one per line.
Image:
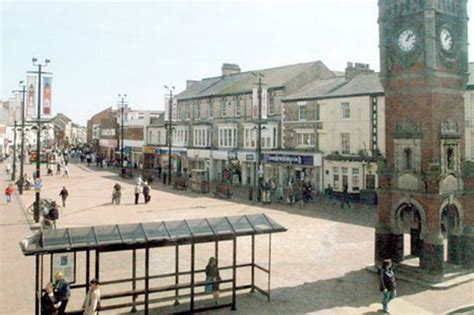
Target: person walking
column 330, row 194
column 345, row 198
column 49, row 302
column 137, row 191
column 146, row 192
column 65, row 171
column 116, row 194
column 92, row 300
column 58, row 168
column 388, row 285
column 64, row 194
column 53, row 214
column 212, row 279
column 62, row 291
column 9, row 192
column 8, row 168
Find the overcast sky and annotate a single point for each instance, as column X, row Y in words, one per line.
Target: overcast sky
column 99, row 49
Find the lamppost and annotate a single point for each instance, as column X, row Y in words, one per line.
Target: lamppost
column 170, row 115
column 22, row 150
column 259, row 136
column 38, row 134
column 14, row 152
column 122, row 104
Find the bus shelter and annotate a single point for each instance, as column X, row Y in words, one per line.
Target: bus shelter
column 62, row 245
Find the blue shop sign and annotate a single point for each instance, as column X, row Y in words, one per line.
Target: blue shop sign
column 127, row 150
column 288, row 159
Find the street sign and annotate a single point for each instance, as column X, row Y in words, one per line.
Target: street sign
column 38, row 184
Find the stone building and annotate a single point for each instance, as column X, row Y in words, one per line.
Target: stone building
column 102, row 133
column 216, row 122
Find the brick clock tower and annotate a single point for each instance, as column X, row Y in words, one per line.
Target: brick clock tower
column 426, row 188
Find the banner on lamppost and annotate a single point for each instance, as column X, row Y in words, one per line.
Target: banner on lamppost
column 255, row 102
column 174, row 109
column 31, row 96
column 47, row 95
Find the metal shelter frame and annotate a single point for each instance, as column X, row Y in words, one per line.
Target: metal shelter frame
column 145, row 236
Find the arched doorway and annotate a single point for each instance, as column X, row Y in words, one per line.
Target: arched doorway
column 450, row 227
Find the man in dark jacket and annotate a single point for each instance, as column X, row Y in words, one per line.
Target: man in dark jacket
column 64, row 194
column 388, row 284
column 62, row 291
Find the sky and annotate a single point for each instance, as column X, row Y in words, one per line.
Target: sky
column 99, row 49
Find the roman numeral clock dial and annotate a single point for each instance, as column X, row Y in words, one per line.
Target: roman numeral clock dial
column 446, row 39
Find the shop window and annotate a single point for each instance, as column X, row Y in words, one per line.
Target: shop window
column 355, row 179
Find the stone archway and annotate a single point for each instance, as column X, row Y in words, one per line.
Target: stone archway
column 451, row 227
column 408, row 217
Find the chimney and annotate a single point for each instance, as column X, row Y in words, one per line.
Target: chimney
column 353, row 70
column 190, row 83
column 230, row 68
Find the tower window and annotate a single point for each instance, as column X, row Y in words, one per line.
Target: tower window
column 408, row 159
column 450, row 159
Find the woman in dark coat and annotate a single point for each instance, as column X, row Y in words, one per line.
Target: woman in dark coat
column 388, row 284
column 212, row 275
column 49, row 303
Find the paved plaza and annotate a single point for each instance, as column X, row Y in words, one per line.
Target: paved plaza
column 318, row 265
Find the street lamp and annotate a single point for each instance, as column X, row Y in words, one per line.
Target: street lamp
column 122, row 103
column 22, row 150
column 38, row 133
column 170, row 130
column 259, row 134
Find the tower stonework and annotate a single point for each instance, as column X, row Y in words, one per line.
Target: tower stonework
column 426, row 187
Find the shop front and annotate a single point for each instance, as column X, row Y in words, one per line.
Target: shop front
column 107, row 148
column 286, row 167
column 199, row 159
column 248, row 161
column 150, row 157
column 178, row 159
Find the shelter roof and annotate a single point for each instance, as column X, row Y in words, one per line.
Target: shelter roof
column 149, row 234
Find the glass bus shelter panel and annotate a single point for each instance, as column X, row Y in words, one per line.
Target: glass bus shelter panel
column 108, row 234
column 82, row 237
column 261, row 223
column 132, row 233
column 200, row 228
column 221, row 226
column 56, row 239
column 178, row 229
column 156, row 231
column 241, row 224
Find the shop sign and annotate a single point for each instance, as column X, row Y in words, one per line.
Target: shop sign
column 232, row 155
column 249, row 157
column 148, row 149
column 173, row 152
column 289, row 159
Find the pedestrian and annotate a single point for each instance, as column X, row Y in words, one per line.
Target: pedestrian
column 65, row 171
column 92, row 300
column 146, row 192
column 62, row 291
column 8, row 168
column 53, row 214
column 212, row 279
column 165, row 175
column 116, row 194
column 388, row 285
column 345, row 198
column 137, row 191
column 9, row 192
column 49, row 302
column 159, row 170
column 50, row 170
column 58, row 168
column 330, row 194
column 64, row 194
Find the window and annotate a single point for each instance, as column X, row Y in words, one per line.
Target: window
column 201, row 137
column 345, row 111
column 188, row 111
column 210, row 109
column 302, row 112
column 355, row 179
column 335, row 171
column 198, row 110
column 271, row 104
column 227, row 137
column 345, row 143
column 305, row 139
column 317, row 111
column 223, row 108
column 370, row 181
column 408, row 158
column 237, row 107
column 345, row 177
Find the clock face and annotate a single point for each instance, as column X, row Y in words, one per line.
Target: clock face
column 446, row 39
column 407, row 40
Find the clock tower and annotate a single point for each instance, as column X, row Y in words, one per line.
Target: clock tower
column 426, row 196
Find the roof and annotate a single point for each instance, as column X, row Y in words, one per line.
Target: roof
column 363, row 84
column 243, row 82
column 150, row 234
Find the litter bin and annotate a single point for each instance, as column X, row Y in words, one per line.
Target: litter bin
column 266, row 196
column 250, row 193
